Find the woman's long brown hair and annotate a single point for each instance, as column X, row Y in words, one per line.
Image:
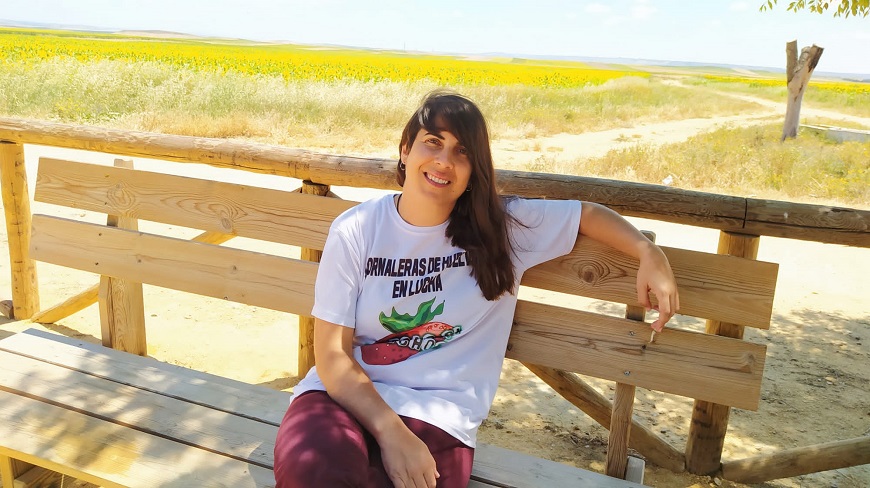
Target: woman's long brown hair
column 478, row 223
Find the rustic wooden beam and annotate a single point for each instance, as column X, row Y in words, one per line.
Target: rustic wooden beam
column 16, row 205
column 623, row 408
column 122, row 305
column 710, row 420
column 847, row 226
column 799, row 460
column 305, row 361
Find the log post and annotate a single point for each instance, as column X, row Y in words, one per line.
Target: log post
column 710, row 420
column 16, row 202
column 798, row 72
column 122, row 307
column 305, row 360
column 623, row 408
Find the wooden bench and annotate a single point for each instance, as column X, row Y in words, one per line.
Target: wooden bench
column 118, row 419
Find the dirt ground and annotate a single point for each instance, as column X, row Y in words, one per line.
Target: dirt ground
column 818, row 344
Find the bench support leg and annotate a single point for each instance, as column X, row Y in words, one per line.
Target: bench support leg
column 7, row 471
column 122, row 307
column 623, row 407
column 16, row 202
column 710, row 420
column 305, row 360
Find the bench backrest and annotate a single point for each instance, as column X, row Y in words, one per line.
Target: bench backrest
column 697, row 365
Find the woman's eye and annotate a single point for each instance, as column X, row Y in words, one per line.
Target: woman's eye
column 463, row 151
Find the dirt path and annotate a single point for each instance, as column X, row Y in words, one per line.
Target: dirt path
column 564, row 148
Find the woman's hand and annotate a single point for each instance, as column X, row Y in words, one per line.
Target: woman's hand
column 407, row 460
column 654, row 275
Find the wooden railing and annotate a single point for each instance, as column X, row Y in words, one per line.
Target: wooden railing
column 742, row 221
column 835, row 225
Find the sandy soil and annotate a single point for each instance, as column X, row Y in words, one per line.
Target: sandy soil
column 818, row 343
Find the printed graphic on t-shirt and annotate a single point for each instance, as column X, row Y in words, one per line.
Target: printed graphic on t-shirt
column 417, row 275
column 410, row 335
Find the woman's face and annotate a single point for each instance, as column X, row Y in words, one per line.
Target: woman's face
column 437, row 168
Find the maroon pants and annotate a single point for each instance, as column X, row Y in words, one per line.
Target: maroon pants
column 321, row 445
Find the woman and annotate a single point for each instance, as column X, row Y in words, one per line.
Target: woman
column 414, row 302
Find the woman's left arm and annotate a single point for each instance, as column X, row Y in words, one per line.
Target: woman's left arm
column 654, row 273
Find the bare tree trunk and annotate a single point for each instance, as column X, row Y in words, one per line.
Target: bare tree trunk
column 798, row 73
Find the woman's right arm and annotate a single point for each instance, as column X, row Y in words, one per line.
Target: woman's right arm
column 406, row 458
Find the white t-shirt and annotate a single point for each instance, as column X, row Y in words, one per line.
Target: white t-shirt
column 431, row 343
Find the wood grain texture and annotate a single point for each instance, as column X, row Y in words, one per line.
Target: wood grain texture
column 260, row 213
column 695, row 365
column 121, row 300
column 169, row 417
column 262, row 280
column 16, row 206
column 223, row 394
column 90, row 296
column 709, row 424
column 305, row 355
column 112, row 455
column 711, row 286
column 620, row 430
column 69, row 370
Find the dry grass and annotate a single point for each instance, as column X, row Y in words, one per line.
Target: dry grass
column 354, row 117
column 348, row 116
column 747, row 161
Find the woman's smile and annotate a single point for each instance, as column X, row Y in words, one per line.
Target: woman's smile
column 437, row 173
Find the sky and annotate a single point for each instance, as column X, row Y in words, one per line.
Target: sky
column 707, row 31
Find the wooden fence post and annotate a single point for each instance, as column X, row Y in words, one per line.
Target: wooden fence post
column 710, row 420
column 122, row 307
column 306, row 324
column 623, row 409
column 16, row 202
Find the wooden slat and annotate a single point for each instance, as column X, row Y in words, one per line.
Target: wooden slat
column 189, row 423
column 90, row 296
column 723, row 288
column 252, row 278
column 717, row 369
column 260, row 213
column 501, row 467
column 112, row 455
column 216, row 392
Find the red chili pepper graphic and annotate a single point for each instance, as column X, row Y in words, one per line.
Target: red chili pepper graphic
column 408, row 338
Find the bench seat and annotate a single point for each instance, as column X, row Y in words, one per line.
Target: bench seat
column 117, row 419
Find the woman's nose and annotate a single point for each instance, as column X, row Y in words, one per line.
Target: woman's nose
column 445, row 157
